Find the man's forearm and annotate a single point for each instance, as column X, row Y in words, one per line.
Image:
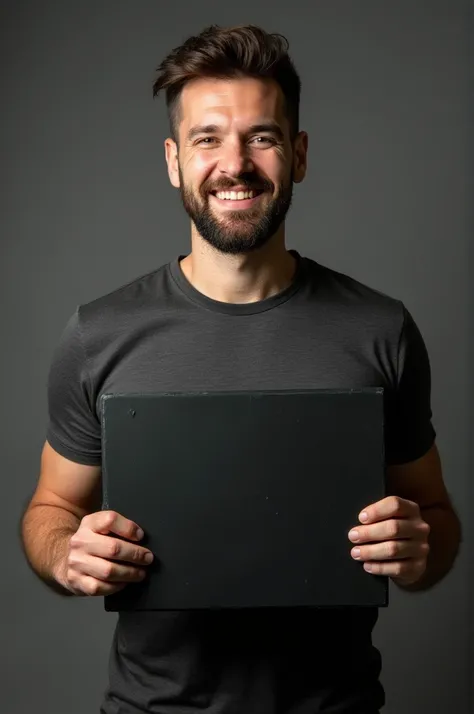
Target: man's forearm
column 45, row 532
column 444, row 540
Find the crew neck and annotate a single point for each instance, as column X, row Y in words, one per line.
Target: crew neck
column 231, row 308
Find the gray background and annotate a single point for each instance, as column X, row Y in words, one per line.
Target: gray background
column 86, row 206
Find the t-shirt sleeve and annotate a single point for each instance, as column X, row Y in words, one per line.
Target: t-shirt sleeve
column 73, row 426
column 409, row 429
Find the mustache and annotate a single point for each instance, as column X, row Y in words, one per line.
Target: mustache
column 256, row 185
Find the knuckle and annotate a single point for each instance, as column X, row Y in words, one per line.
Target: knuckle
column 392, row 549
column 107, row 570
column 393, row 529
column 395, row 503
column 132, row 531
column 107, row 518
column 137, row 555
column 132, row 555
column 92, row 587
column 113, row 548
column 425, row 528
column 73, row 558
column 76, row 540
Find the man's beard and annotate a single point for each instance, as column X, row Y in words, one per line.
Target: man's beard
column 240, row 231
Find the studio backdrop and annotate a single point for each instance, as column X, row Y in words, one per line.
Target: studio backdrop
column 86, row 206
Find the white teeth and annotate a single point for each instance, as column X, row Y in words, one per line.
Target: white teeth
column 234, row 195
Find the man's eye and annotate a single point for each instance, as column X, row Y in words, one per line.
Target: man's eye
column 263, row 140
column 209, row 140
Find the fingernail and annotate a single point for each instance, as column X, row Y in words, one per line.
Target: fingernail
column 140, row 533
column 356, row 553
column 148, row 558
column 363, row 516
column 354, row 535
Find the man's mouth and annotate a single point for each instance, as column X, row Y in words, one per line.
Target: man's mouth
column 237, row 199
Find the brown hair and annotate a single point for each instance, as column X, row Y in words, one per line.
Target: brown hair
column 227, row 53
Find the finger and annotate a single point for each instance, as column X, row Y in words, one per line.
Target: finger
column 391, row 529
column 112, row 522
column 409, row 569
column 111, row 548
column 391, row 550
column 105, row 570
column 389, row 507
column 93, row 586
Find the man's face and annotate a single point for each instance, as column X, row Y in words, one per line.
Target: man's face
column 236, row 164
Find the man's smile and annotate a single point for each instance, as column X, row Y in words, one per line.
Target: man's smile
column 238, row 198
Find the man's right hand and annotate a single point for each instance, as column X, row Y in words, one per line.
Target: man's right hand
column 97, row 563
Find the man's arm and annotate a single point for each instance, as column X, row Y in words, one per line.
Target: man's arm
column 422, row 481
column 65, row 493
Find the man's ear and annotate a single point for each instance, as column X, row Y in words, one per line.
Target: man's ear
column 171, row 154
column 300, row 157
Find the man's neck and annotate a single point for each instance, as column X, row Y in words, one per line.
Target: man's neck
column 239, row 278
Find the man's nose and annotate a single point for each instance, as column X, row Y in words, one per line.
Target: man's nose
column 235, row 159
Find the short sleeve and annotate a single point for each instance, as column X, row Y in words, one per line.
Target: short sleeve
column 73, row 428
column 408, row 418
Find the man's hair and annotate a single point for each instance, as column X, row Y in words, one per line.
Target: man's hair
column 229, row 53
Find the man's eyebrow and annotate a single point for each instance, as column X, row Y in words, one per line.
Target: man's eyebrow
column 268, row 127
column 202, row 129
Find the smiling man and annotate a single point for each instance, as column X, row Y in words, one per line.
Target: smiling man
column 240, row 209
column 235, row 158
column 239, row 312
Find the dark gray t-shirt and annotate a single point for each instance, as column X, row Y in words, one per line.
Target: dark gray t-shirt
column 158, row 333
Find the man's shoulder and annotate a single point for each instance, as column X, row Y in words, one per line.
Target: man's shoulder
column 344, row 289
column 127, row 297
column 132, row 304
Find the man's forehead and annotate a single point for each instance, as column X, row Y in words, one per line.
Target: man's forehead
column 229, row 97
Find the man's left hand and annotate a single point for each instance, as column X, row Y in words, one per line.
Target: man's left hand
column 398, row 539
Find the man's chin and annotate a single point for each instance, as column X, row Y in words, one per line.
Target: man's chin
column 241, row 244
column 244, row 218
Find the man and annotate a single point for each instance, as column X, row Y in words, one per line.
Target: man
column 240, row 312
